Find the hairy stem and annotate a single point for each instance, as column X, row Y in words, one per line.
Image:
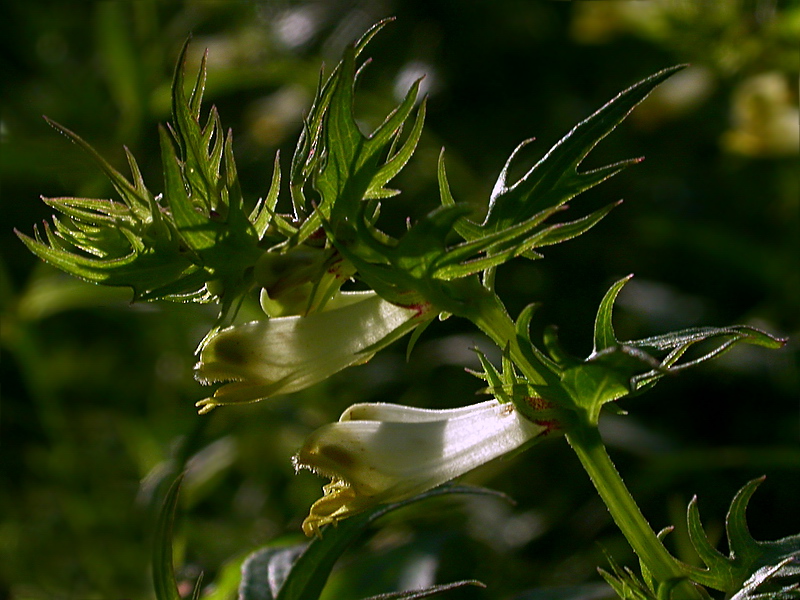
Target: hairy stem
column 584, row 438
column 491, row 317
column 586, row 442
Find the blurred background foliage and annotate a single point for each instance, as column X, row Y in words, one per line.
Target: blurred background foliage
column 97, row 411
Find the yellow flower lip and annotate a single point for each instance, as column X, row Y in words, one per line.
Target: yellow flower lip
column 378, row 453
column 286, row 354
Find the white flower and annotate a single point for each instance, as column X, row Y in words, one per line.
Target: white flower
column 281, row 355
column 378, row 453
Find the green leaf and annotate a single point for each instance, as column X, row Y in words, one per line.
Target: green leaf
column 489, row 250
column 195, row 228
column 639, row 364
column 166, row 587
column 720, row 339
column 555, row 178
column 309, row 150
column 310, row 570
column 625, row 583
column 353, row 169
column 753, row 570
column 716, row 562
column 534, row 355
column 591, row 386
column 264, row 211
column 512, row 225
column 562, row 232
column 604, row 336
column 265, row 571
column 143, row 271
column 398, row 159
column 139, row 201
column 466, row 228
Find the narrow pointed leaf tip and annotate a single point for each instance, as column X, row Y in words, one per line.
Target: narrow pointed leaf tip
column 166, row 586
column 604, row 336
column 555, row 178
column 753, row 569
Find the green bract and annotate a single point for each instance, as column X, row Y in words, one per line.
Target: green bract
column 621, row 368
column 194, row 242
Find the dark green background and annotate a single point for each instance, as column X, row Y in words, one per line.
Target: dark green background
column 97, row 395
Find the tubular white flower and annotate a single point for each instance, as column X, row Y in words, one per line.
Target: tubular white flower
column 378, row 453
column 281, row 355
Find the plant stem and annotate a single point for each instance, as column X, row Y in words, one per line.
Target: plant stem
column 586, row 442
column 492, row 318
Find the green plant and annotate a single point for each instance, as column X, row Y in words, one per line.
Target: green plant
column 197, row 242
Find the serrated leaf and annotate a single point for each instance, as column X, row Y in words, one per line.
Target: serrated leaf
column 740, row 542
column 139, row 205
column 398, row 159
column 753, row 570
column 309, row 151
column 591, row 386
column 141, row 271
column 92, row 210
column 562, row 232
column 529, row 348
column 496, row 382
column 643, row 362
column 195, row 228
column 263, row 212
column 465, row 259
column 625, row 583
column 353, row 170
column 555, row 178
column 714, row 560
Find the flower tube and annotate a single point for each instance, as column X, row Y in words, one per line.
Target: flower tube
column 379, row 453
column 282, row 355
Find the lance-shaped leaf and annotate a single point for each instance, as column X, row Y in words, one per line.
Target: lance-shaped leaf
column 356, row 166
column 203, row 193
column 166, row 587
column 129, row 243
column 555, row 179
column 309, row 150
column 199, row 240
column 508, row 387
